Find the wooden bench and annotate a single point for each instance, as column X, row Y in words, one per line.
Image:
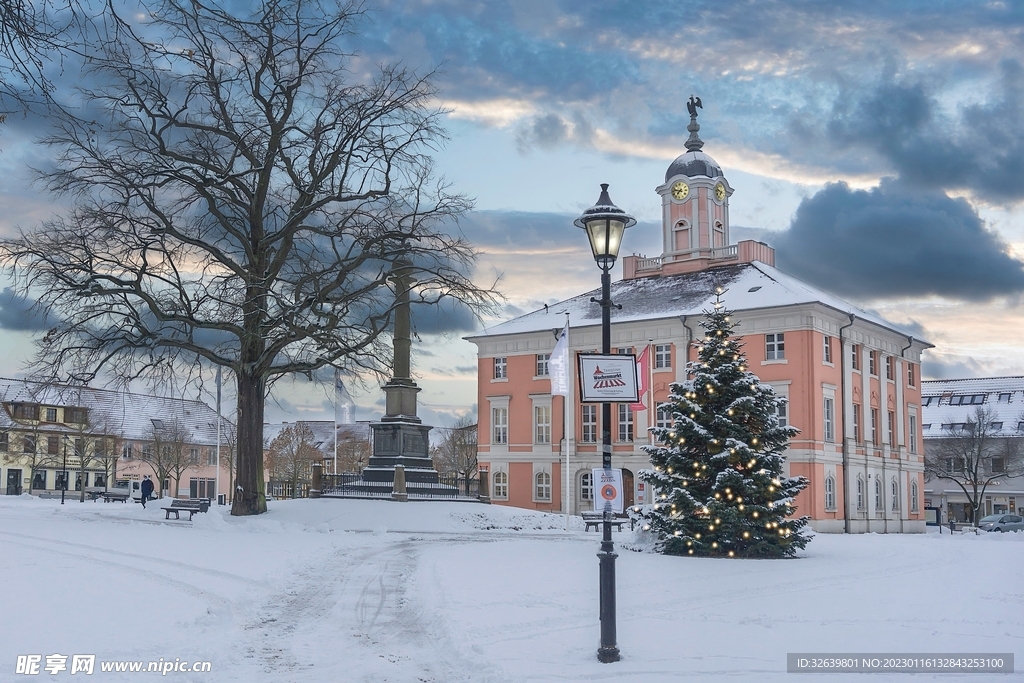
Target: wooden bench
column 179, row 506
column 595, row 518
column 120, row 497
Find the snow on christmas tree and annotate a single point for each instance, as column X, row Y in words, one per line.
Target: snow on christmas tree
column 718, row 473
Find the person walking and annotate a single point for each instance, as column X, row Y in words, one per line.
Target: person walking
column 147, row 489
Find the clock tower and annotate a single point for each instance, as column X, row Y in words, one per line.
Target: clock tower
column 695, row 216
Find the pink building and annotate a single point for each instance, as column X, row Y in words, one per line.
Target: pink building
column 852, row 379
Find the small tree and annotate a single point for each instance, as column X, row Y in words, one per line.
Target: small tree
column 456, row 453
column 353, row 450
column 973, row 455
column 718, row 473
column 292, row 453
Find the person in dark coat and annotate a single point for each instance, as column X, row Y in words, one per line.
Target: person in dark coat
column 147, row 489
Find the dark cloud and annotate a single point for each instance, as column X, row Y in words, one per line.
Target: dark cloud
column 448, row 316
column 896, row 240
column 932, row 368
column 903, row 126
column 20, row 314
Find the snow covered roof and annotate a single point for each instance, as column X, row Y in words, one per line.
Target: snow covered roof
column 693, row 164
column 749, row 286
column 323, row 432
column 953, row 401
column 127, row 415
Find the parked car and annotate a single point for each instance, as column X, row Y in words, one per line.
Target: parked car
column 1001, row 523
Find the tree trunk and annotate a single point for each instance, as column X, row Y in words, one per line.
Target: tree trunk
column 250, row 497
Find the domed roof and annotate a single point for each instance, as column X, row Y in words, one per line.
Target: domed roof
column 693, row 164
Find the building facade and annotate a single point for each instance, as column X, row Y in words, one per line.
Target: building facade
column 55, row 437
column 852, row 379
column 947, row 406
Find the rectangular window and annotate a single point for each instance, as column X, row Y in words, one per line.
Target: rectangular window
column 663, row 417
column 4, row 442
column 79, row 448
column 855, row 357
column 542, row 490
column 892, row 429
column 99, row 447
column 830, row 419
column 856, row 423
column 28, row 444
column 967, row 399
column 874, row 426
column 1004, row 398
column 542, row 364
column 624, row 351
column 501, row 485
column 499, row 425
column 828, row 349
column 997, row 466
column 775, row 346
column 997, row 426
column 873, row 362
column 51, row 414
column 782, row 412
column 625, row 422
column 26, row 411
column 501, row 368
column 52, row 445
column 542, row 424
column 211, row 458
column 76, row 415
column 193, row 459
column 663, row 356
column 588, row 424
column 910, row 375
column 928, row 400
column 890, row 367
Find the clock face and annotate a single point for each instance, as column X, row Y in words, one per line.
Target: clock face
column 719, row 191
column 680, row 190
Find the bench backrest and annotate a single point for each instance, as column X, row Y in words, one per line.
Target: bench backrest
column 185, row 504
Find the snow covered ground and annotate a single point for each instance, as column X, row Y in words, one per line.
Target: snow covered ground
column 346, row 590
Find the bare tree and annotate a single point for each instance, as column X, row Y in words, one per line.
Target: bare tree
column 291, row 455
column 456, row 452
column 239, row 201
column 973, row 455
column 353, row 450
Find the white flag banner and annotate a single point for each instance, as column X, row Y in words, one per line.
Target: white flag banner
column 609, row 489
column 344, row 406
column 558, row 365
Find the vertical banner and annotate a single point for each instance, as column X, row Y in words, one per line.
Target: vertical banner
column 344, row 406
column 558, row 364
column 608, row 489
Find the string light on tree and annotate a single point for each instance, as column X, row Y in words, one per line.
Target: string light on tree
column 724, row 424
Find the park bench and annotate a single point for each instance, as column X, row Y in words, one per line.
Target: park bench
column 594, row 518
column 189, row 506
column 111, row 495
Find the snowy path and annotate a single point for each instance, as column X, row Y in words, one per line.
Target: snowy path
column 356, row 591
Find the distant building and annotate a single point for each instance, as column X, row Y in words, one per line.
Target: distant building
column 852, row 379
column 949, row 404
column 98, row 436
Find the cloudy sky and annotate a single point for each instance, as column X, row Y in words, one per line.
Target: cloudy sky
column 876, row 146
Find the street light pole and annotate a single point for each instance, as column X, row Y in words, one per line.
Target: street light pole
column 605, row 223
column 64, row 484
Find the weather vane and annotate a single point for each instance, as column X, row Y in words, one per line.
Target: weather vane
column 693, row 105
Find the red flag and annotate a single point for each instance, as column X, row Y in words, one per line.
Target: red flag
column 643, row 363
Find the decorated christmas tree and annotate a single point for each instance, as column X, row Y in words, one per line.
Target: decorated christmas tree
column 718, row 475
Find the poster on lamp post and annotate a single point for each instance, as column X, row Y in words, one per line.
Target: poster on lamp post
column 608, row 489
column 608, row 378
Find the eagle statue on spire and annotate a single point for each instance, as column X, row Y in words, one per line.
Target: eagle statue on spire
column 693, row 105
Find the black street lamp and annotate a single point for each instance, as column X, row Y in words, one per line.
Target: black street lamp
column 605, row 223
column 64, row 484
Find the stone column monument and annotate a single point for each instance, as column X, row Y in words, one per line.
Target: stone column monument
column 400, row 438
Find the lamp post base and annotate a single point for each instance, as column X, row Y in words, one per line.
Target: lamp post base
column 607, row 655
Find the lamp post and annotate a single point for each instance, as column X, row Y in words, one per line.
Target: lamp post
column 64, row 484
column 605, row 223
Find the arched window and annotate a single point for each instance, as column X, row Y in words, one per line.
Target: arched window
column 895, row 495
column 913, row 496
column 586, row 486
column 830, row 492
column 878, row 494
column 500, row 485
column 860, row 492
column 682, row 236
column 542, row 486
